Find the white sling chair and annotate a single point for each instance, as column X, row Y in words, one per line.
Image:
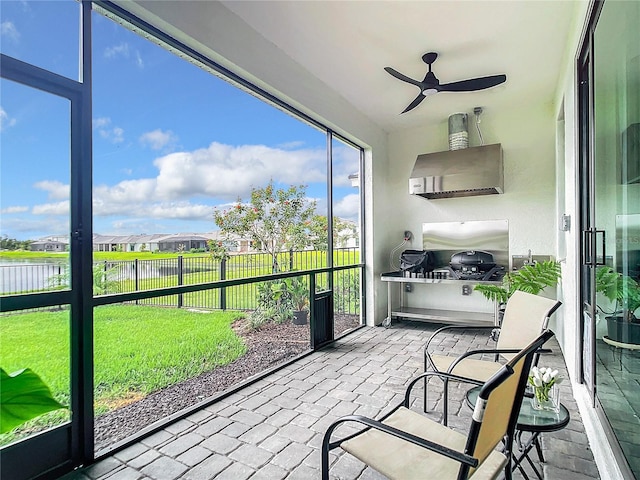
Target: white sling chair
column 526, row 315
column 407, row 445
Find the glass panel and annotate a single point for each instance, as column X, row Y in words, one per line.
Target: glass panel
column 43, row 33
column 346, row 223
column 195, row 181
column 346, row 300
column 189, row 356
column 34, row 190
column 38, row 340
column 617, row 207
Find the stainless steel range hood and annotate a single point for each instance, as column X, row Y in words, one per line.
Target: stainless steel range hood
column 458, row 173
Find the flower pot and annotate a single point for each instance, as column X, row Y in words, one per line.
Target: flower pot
column 622, row 331
column 300, row 317
column 546, row 400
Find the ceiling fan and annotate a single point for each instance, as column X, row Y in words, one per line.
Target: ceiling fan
column 430, row 85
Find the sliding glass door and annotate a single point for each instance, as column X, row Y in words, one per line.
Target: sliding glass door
column 610, row 181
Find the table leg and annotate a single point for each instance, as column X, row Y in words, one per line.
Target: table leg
column 539, row 450
column 524, row 454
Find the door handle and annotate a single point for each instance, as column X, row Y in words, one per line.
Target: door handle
column 587, row 243
column 604, row 251
column 590, row 254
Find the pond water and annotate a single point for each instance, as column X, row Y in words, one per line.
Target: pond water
column 28, row 275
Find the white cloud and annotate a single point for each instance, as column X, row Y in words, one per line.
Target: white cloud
column 57, row 190
column 121, row 50
column 112, row 134
column 220, row 172
column 225, row 171
column 348, row 207
column 59, row 208
column 16, row 209
column 9, row 30
column 5, row 120
column 117, row 135
column 34, row 227
column 101, row 122
column 291, row 145
column 158, row 139
column 346, row 161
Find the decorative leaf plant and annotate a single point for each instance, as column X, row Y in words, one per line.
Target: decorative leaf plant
column 299, row 293
column 620, row 289
column 23, row 396
column 531, row 278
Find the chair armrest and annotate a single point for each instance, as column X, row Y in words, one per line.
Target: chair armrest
column 408, row 437
column 449, row 376
column 492, row 351
column 455, row 327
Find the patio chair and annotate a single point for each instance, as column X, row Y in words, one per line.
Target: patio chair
column 525, row 316
column 406, row 445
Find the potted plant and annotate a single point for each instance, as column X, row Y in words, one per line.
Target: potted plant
column 532, row 278
column 300, row 298
column 624, row 292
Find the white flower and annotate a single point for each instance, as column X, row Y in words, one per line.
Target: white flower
column 546, row 378
column 537, row 382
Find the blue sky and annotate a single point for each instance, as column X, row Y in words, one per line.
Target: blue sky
column 170, row 140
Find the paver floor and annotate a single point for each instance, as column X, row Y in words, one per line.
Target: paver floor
column 273, row 428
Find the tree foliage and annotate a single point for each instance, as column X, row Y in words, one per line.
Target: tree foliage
column 343, row 231
column 274, row 219
column 7, row 243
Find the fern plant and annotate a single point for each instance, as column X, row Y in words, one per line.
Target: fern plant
column 620, row 289
column 530, row 278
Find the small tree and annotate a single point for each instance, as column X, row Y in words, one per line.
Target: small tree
column 217, row 250
column 274, row 219
column 343, row 231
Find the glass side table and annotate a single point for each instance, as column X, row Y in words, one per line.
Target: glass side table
column 531, row 421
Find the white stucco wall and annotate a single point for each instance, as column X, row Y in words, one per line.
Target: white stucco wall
column 528, row 204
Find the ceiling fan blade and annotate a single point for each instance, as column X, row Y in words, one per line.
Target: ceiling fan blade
column 415, row 103
column 402, row 77
column 473, row 84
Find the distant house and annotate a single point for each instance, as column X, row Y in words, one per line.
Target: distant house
column 161, row 242
column 48, row 246
column 182, row 242
column 126, row 243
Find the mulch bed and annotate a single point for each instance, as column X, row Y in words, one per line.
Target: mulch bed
column 267, row 347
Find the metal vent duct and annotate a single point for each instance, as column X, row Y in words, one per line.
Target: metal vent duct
column 459, row 173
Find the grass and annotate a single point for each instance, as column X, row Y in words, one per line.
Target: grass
column 138, row 350
column 63, row 256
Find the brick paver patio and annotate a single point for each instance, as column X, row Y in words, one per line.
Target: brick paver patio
column 273, row 428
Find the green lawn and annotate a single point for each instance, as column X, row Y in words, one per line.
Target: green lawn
column 63, row 256
column 138, row 350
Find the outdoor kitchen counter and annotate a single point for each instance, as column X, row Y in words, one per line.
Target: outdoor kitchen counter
column 455, row 317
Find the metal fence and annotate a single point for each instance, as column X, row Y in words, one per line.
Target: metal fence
column 124, row 276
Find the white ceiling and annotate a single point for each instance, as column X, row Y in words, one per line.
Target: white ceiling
column 347, row 44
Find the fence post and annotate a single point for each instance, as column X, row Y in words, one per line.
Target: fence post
column 223, row 290
column 180, row 299
column 290, row 259
column 135, row 278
